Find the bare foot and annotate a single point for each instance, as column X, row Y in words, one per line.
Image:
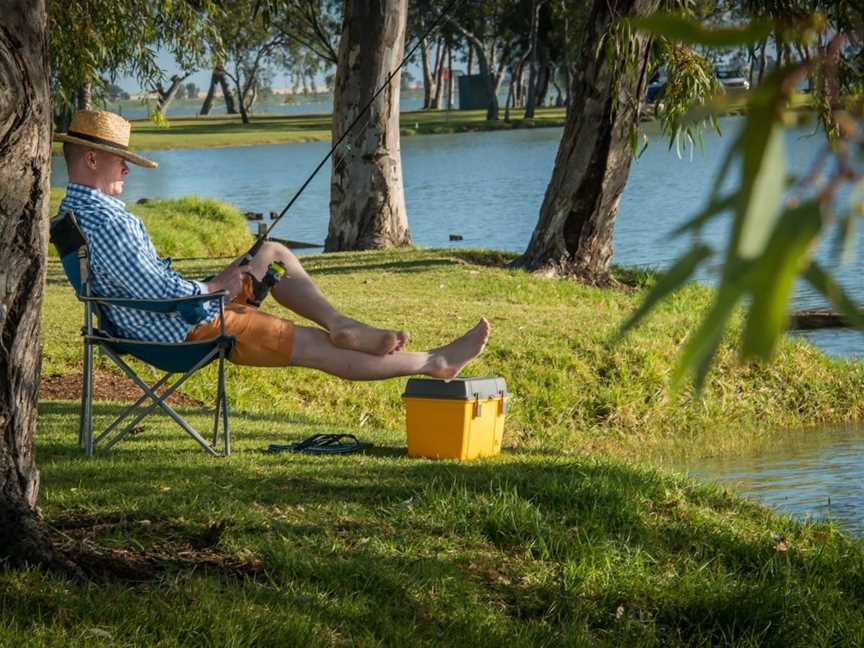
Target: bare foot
column 447, row 361
column 357, row 336
column 401, row 341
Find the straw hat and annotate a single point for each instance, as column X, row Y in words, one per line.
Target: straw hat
column 104, row 131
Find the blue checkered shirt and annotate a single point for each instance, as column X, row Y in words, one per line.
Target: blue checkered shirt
column 124, row 263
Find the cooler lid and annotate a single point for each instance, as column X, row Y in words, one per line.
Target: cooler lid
column 456, row 389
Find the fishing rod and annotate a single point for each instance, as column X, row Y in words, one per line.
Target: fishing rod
column 255, row 248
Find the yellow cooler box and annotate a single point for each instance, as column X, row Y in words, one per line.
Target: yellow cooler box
column 459, row 419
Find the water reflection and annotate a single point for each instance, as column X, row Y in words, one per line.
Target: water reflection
column 808, row 473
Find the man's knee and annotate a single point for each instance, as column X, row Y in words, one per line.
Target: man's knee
column 276, row 251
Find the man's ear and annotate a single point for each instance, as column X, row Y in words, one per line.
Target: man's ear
column 90, row 159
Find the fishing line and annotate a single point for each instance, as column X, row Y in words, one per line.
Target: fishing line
column 254, row 249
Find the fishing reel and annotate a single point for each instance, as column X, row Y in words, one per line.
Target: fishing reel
column 260, row 289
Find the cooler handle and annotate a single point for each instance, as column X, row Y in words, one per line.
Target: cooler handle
column 503, row 403
column 478, row 406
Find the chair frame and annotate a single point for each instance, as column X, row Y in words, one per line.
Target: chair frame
column 95, row 338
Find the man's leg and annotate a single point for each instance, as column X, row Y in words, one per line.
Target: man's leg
column 298, row 292
column 313, row 348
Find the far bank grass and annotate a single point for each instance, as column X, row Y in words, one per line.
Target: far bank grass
column 225, row 130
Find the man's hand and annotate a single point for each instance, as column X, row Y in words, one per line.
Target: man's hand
column 230, row 279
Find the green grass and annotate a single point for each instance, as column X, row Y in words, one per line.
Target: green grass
column 566, row 539
column 195, row 132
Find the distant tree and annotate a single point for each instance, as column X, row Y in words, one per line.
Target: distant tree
column 247, row 41
column 166, row 96
column 115, row 93
column 191, row 90
column 408, row 80
column 128, row 35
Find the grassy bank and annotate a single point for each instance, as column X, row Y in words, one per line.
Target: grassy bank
column 567, row 539
column 199, row 132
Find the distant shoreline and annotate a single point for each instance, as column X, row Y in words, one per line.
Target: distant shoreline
column 271, row 128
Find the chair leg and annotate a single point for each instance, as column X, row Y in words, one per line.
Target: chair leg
column 221, row 410
column 85, row 423
column 159, row 401
column 227, row 433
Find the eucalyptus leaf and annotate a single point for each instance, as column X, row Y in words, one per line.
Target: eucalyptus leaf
column 763, row 176
column 684, row 30
column 773, row 275
column 702, row 344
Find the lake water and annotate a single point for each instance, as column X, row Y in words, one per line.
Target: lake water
column 486, row 187
column 811, row 474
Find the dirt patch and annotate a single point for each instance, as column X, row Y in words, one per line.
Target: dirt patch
column 107, row 386
column 164, row 546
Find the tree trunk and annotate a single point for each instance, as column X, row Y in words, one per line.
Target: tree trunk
column 166, row 97
column 84, row 97
column 546, row 72
column 428, row 76
column 207, row 106
column 227, row 94
column 568, row 65
column 241, row 98
column 440, row 56
column 533, row 68
column 367, row 202
column 470, row 63
column 449, row 78
column 574, row 233
column 25, row 152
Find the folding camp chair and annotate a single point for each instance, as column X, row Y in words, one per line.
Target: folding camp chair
column 185, row 357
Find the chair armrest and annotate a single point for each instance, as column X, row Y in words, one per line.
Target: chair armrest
column 190, row 308
column 142, row 304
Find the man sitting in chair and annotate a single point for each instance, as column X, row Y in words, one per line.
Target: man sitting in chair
column 124, row 263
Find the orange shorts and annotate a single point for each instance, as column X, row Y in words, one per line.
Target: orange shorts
column 260, row 340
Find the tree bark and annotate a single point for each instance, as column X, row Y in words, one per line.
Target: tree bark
column 227, row 94
column 25, row 151
column 166, row 97
column 367, row 201
column 533, row 70
column 450, row 78
column 428, row 75
column 574, row 233
column 440, row 56
column 207, row 106
column 84, row 97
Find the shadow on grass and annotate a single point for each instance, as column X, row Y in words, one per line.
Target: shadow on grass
column 536, row 546
column 420, row 265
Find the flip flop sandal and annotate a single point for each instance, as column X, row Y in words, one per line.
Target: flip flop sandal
column 323, row 444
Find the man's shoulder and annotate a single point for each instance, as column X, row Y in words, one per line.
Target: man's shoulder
column 92, row 212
